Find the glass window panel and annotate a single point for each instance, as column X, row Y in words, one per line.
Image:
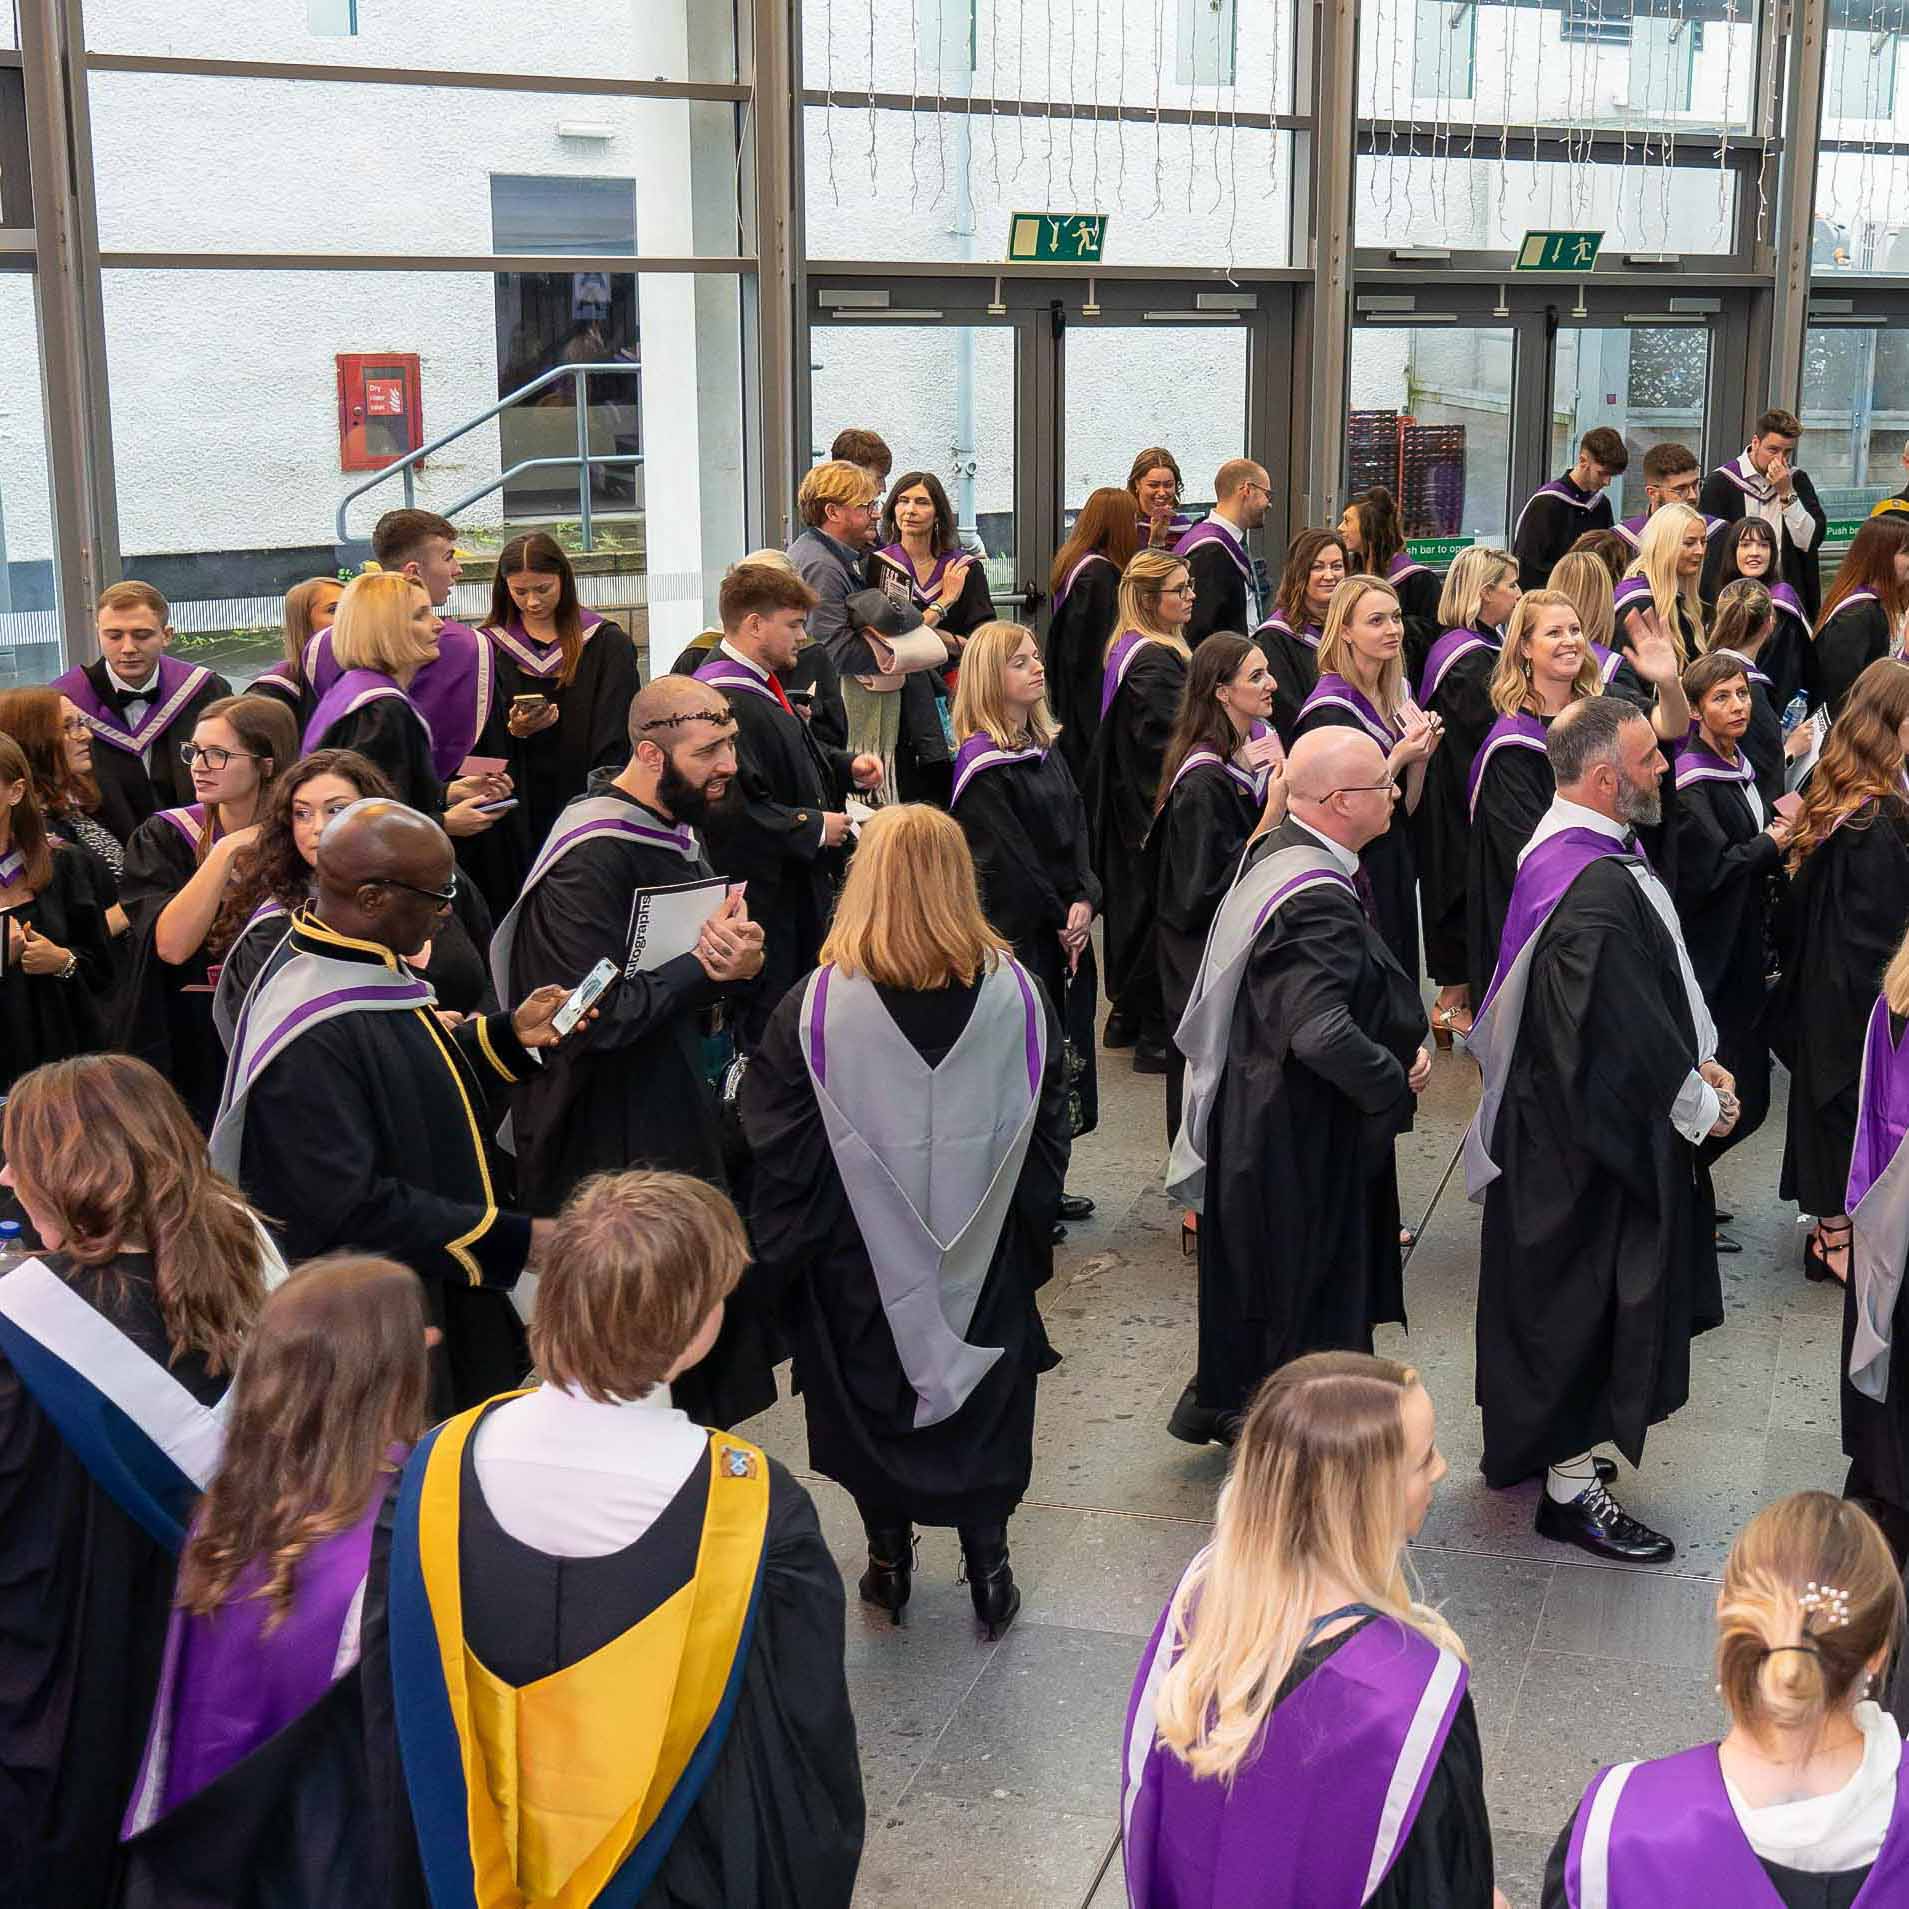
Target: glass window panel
column 1647, row 382
column 1431, row 421
column 901, row 185
column 1859, row 81
column 556, row 213
column 1586, row 63
column 593, row 39
column 955, row 386
column 1855, row 414
column 29, row 616
column 251, row 165
column 1478, row 204
column 1444, row 49
column 226, row 442
column 1167, row 52
column 9, row 25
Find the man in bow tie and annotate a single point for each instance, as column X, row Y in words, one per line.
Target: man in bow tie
column 140, row 704
column 1598, row 1259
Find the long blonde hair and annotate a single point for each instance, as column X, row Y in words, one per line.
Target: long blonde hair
column 1314, row 1496
column 372, row 629
column 1656, row 563
column 1474, row 570
column 1581, row 576
column 298, row 619
column 1895, row 980
column 1335, row 647
column 910, row 913
column 1510, row 688
column 979, row 706
column 1138, row 605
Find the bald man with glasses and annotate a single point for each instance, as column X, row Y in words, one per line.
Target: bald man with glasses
column 1305, row 1055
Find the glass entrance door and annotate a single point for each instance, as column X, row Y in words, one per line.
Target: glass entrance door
column 1648, row 381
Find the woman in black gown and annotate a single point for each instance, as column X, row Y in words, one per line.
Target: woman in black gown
column 1849, row 872
column 1865, row 611
column 58, row 958
column 1374, row 534
column 1747, row 553
column 1141, row 687
column 1316, row 565
column 562, row 681
column 1027, row 831
column 135, row 1225
column 1220, row 762
column 1083, row 597
column 911, row 967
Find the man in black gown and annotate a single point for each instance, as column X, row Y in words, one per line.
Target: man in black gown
column 632, row 1090
column 1600, row 1081
column 1223, row 570
column 353, row 1118
column 1764, row 482
column 1303, row 1042
column 782, row 827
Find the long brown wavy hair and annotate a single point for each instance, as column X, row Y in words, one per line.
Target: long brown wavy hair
column 1870, row 564
column 1106, row 527
column 1202, row 723
column 32, row 718
column 333, row 1377
column 1301, row 554
column 28, row 826
column 538, row 550
column 270, row 867
column 104, row 1144
column 1861, row 761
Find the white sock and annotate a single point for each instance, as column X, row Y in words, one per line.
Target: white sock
column 1569, row 1478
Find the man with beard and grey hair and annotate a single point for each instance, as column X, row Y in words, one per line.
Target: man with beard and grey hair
column 1597, row 1263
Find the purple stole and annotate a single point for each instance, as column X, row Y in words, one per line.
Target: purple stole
column 12, row 866
column 1754, row 487
column 1545, row 876
column 1631, row 529
column 1177, row 527
column 981, row 751
column 1068, row 582
column 1318, row 1812
column 1565, row 492
column 174, row 686
column 1788, row 603
column 1405, row 565
column 1253, row 781
column 1631, row 593
column 1608, row 662
column 1854, row 598
column 1119, row 661
column 1444, row 653
column 1664, row 1832
column 279, row 678
column 523, row 649
column 1277, row 621
column 725, row 673
column 1750, row 669
column 1335, row 692
column 1877, row 1203
column 1516, row 731
column 189, row 821
column 452, row 693
column 349, row 693
column 922, row 594
column 1206, row 531
column 1698, row 762
column 226, row 1688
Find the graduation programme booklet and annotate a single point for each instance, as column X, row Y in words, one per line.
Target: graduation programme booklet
column 665, row 922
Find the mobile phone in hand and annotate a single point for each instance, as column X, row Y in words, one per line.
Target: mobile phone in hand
column 498, row 807
column 584, row 995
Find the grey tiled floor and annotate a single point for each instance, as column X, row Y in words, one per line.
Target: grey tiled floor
column 992, row 1770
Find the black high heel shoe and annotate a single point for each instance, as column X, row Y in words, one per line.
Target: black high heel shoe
column 891, row 1569
column 984, row 1560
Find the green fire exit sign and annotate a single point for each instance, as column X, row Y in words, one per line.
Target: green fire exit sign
column 1559, row 251
column 1072, row 238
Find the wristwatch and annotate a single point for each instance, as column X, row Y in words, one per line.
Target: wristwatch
column 70, row 970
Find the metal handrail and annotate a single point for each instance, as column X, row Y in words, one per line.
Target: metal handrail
column 404, row 468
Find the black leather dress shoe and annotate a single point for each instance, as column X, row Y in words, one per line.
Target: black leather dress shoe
column 1196, row 1424
column 1149, row 1057
column 1075, row 1206
column 1595, row 1522
column 1723, row 1218
column 1725, row 1244
column 1119, row 1032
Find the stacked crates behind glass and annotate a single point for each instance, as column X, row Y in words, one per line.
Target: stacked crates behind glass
column 1372, row 451
column 1432, row 477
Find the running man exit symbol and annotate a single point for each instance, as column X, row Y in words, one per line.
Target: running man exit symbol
column 1559, row 251
column 1073, row 238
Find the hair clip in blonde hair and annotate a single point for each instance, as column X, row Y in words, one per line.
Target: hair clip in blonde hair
column 1826, row 1598
column 370, row 568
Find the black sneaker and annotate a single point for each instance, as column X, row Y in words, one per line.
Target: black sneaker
column 1595, row 1522
column 1075, row 1206
column 1197, row 1424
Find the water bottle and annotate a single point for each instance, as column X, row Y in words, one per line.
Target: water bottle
column 1799, row 707
column 13, row 1248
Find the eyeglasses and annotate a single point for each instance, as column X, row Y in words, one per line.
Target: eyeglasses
column 1180, row 590
column 75, row 726
column 442, row 896
column 1353, row 788
column 213, row 756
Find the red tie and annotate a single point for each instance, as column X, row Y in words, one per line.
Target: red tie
column 775, row 683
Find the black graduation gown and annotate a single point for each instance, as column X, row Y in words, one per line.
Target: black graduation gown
column 390, row 734
column 1194, row 852
column 1725, row 863
column 1722, row 498
column 1445, row 1861
column 1856, row 635
column 779, row 1821
column 1219, row 602
column 551, row 768
column 84, row 1596
column 1513, row 794
column 1443, row 842
column 1299, row 1241
column 972, row 1468
column 41, row 1017
column 128, row 791
column 166, row 1010
column 1597, row 1190
column 767, row 832
column 1388, row 861
column 1027, row 829
column 1763, row 743
column 1076, row 644
column 1418, row 592
column 814, row 686
column 1851, row 905
column 1295, row 665
column 629, row 1090
column 301, row 702
column 1121, row 783
column 1548, row 526
column 370, row 1132
column 1788, row 659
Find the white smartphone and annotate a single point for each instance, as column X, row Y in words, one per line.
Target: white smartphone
column 583, row 995
column 502, row 805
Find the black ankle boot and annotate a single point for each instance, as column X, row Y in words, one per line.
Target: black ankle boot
column 890, row 1574
column 984, row 1557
